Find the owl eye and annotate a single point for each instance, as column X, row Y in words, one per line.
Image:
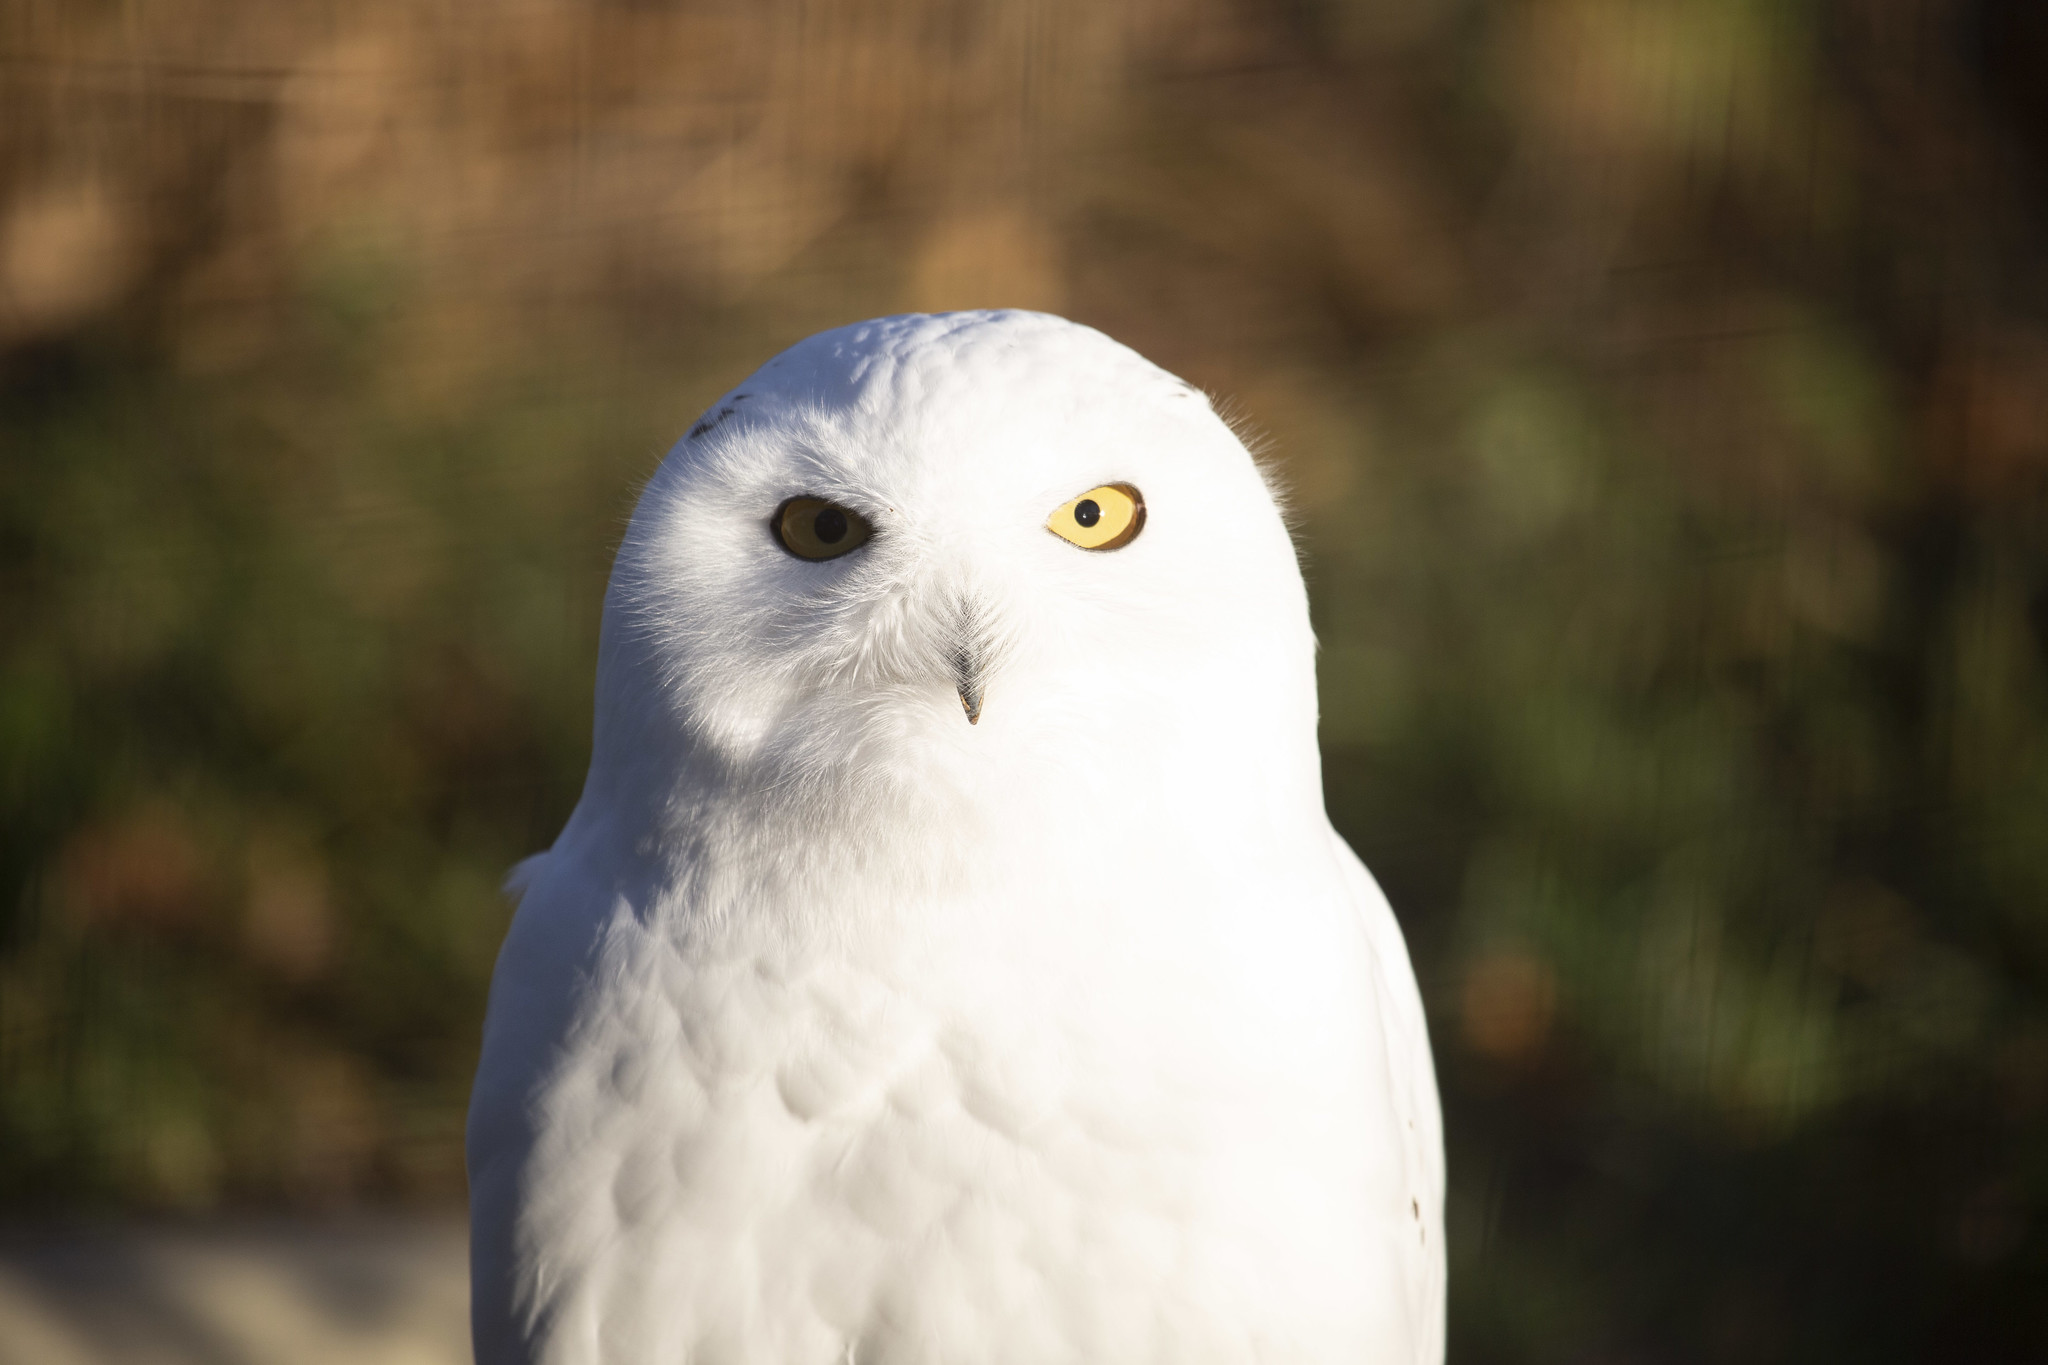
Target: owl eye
column 1105, row 518
column 812, row 528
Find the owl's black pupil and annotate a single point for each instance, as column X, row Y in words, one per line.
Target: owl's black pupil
column 830, row 526
column 1087, row 512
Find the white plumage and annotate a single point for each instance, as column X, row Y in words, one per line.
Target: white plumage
column 836, row 1029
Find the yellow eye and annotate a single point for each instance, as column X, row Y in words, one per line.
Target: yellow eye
column 1105, row 518
column 811, row 528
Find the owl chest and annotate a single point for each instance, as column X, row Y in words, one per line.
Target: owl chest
column 842, row 1153
column 834, row 1105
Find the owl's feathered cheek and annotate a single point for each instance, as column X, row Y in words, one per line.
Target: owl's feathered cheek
column 936, row 638
column 886, row 644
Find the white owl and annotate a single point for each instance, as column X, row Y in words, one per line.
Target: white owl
column 949, row 961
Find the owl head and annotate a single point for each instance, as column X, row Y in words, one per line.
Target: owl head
column 961, row 549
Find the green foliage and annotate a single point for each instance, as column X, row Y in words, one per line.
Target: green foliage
column 290, row 684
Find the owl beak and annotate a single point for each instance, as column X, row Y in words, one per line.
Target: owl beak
column 970, row 667
column 971, row 653
column 967, row 678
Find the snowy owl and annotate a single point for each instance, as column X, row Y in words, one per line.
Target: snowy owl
column 949, row 961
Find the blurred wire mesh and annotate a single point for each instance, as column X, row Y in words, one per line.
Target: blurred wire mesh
column 1663, row 388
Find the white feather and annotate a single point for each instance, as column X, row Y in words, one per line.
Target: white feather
column 833, row 1028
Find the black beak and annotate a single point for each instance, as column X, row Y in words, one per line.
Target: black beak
column 968, row 680
column 970, row 661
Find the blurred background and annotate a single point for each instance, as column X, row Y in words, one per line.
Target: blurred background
column 1663, row 385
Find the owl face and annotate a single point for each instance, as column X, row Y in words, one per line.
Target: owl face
column 963, row 538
